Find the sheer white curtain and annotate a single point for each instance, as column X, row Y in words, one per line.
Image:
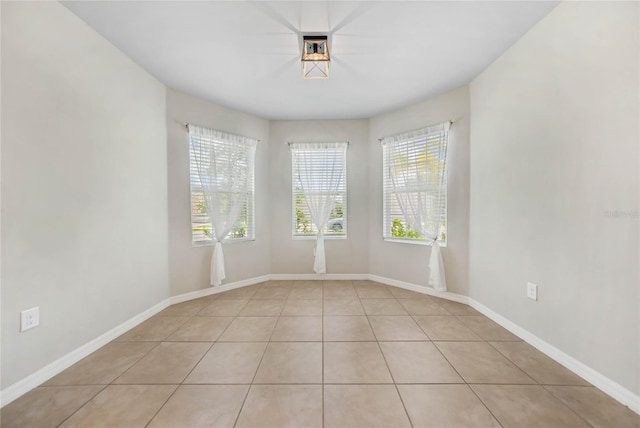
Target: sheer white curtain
column 321, row 169
column 417, row 167
column 225, row 165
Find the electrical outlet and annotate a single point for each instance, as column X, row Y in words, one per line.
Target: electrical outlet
column 29, row 318
column 532, row 291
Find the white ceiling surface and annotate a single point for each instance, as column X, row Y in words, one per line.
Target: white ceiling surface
column 246, row 55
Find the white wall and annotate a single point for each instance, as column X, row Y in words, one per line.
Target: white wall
column 554, row 147
column 295, row 256
column 84, row 190
column 408, row 262
column 189, row 265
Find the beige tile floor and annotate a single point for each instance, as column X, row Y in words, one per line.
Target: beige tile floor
column 312, row 354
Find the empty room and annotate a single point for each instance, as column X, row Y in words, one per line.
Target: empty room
column 320, row 214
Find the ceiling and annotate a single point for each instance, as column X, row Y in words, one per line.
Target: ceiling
column 246, row 55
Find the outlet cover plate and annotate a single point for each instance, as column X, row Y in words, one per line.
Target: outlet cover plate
column 532, row 291
column 29, row 318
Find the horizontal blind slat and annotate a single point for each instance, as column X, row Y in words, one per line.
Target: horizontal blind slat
column 412, row 167
column 228, row 156
column 318, row 160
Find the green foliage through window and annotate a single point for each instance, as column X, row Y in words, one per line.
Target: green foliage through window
column 304, row 224
column 398, row 230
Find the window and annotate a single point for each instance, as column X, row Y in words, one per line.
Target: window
column 227, row 163
column 415, row 185
column 319, row 180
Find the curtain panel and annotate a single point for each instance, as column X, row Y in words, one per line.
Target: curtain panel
column 321, row 170
column 416, row 177
column 225, row 166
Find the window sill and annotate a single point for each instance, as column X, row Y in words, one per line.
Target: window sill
column 415, row 242
column 313, row 237
column 225, row 242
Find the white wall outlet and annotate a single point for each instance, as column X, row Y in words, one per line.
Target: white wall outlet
column 532, row 291
column 29, row 318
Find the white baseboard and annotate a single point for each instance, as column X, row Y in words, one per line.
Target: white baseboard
column 613, row 389
column 420, row 289
column 26, row 384
column 314, row 277
column 597, row 379
column 215, row 290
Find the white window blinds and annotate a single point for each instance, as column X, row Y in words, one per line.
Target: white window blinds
column 234, row 156
column 414, row 184
column 222, row 188
column 414, row 191
column 323, row 168
column 319, row 189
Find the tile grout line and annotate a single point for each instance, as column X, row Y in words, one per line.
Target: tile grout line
column 530, row 377
column 82, row 406
column 278, row 317
column 388, row 368
column 512, row 362
column 203, row 355
column 473, row 391
column 404, row 407
column 163, row 404
column 454, row 368
column 326, row 383
column 565, row 405
column 460, row 318
column 466, row 383
column 322, row 320
column 258, row 367
column 105, row 386
column 194, row 366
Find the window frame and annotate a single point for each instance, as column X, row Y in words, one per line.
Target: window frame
column 345, row 218
column 408, row 138
column 250, row 204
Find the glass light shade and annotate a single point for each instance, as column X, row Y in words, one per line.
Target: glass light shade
column 315, row 57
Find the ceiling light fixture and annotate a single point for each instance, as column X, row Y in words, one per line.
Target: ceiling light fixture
column 315, row 57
